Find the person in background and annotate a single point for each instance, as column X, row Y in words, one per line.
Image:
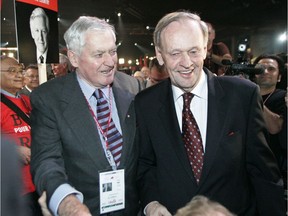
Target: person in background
column 31, row 79
column 83, row 128
column 62, row 68
column 202, row 206
column 283, row 82
column 274, row 106
column 216, row 52
column 139, row 75
column 12, row 202
column 145, row 70
column 157, row 73
column 202, row 147
column 16, row 128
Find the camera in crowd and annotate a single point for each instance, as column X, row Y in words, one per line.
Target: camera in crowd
column 243, row 64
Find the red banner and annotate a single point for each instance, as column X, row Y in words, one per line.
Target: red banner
column 48, row 4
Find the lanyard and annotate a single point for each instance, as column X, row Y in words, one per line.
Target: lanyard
column 104, row 134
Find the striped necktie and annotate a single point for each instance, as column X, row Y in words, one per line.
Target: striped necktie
column 192, row 137
column 111, row 134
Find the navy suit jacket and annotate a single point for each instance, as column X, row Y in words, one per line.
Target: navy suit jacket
column 239, row 169
column 66, row 146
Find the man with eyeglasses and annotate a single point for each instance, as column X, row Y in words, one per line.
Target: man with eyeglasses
column 31, row 79
column 274, row 107
column 15, row 124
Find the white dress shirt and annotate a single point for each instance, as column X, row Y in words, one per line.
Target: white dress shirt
column 198, row 105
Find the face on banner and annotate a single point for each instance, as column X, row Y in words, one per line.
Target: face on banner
column 39, row 32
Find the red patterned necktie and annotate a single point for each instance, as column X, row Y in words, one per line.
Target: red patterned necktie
column 192, row 137
column 114, row 138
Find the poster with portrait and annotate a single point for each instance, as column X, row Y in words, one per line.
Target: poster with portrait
column 37, row 31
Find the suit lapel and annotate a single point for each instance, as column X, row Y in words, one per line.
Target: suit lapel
column 170, row 123
column 76, row 113
column 126, row 115
column 215, row 120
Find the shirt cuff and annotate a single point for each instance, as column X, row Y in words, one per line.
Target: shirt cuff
column 60, row 193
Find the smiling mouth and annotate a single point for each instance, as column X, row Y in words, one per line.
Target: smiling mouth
column 107, row 71
column 186, row 72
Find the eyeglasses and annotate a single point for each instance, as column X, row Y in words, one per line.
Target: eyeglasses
column 14, row 70
column 33, row 77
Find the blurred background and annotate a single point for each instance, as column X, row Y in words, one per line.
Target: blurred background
column 261, row 24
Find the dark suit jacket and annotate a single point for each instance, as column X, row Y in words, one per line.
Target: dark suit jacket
column 66, row 147
column 29, row 54
column 24, row 91
column 239, row 169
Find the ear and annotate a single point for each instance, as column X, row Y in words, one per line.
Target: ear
column 159, row 56
column 279, row 78
column 205, row 52
column 73, row 57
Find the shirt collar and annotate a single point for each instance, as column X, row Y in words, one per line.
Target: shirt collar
column 200, row 89
column 9, row 94
column 28, row 88
column 43, row 54
column 88, row 90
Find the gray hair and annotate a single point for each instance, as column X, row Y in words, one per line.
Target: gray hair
column 63, row 59
column 176, row 16
column 74, row 36
column 39, row 12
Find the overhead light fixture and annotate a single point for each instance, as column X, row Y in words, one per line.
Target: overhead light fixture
column 150, row 27
column 119, row 14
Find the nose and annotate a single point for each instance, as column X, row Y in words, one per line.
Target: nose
column 19, row 73
column 108, row 59
column 54, row 66
column 186, row 60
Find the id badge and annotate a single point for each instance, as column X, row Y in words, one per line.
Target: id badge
column 112, row 190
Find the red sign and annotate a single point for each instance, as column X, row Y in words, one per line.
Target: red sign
column 48, row 4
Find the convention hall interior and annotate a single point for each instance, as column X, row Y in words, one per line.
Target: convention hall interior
column 260, row 24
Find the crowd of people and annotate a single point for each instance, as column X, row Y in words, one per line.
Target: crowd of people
column 95, row 141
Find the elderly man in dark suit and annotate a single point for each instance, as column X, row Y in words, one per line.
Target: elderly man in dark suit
column 214, row 146
column 83, row 128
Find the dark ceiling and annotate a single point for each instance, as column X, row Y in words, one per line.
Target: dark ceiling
column 226, row 15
